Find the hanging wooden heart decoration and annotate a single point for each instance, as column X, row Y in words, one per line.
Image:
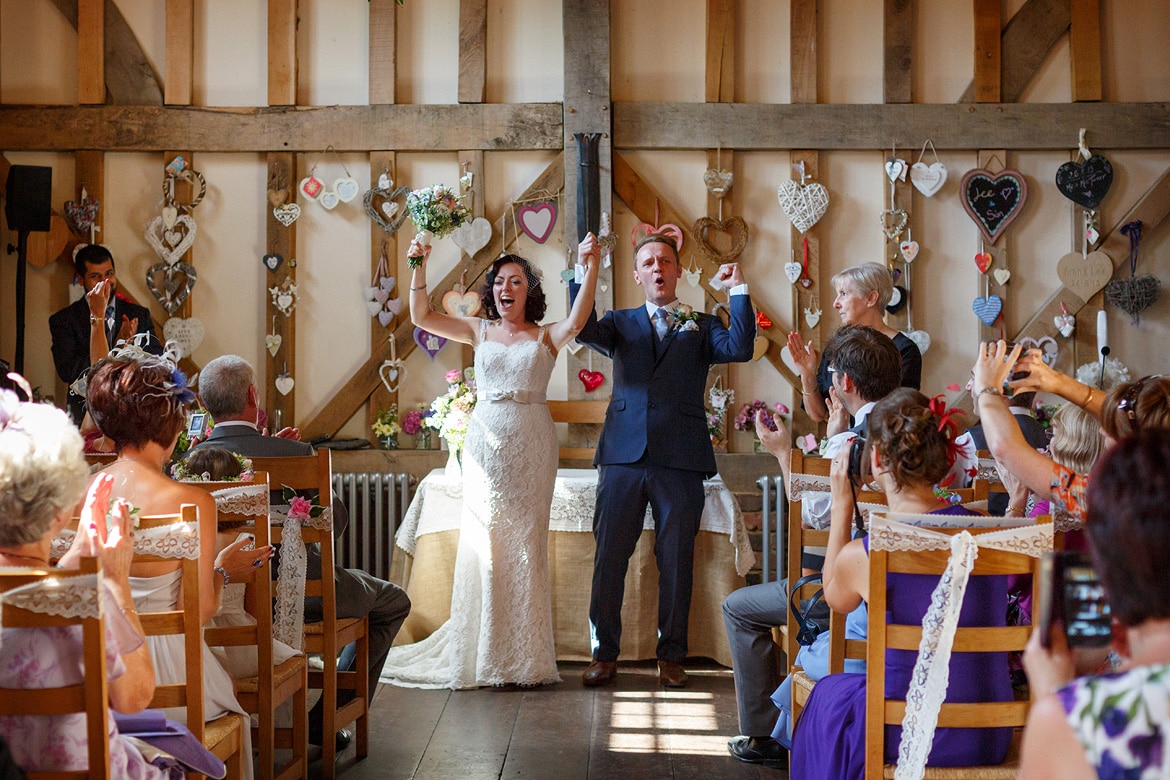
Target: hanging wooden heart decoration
column 329, row 200
column 272, row 341
column 909, row 250
column 186, row 333
column 286, row 214
column 987, row 309
column 1001, row 276
column 793, row 271
column 718, row 181
column 472, row 236
column 1085, row 276
column 735, row 228
column 462, row 304
column 284, row 384
column 537, row 220
column 803, row 204
column 993, row 200
column 284, row 296
column 272, row 261
column 1087, row 182
column 428, row 342
column 928, row 179
column 983, row 261
column 347, row 188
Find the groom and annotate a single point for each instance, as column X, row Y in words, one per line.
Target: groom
column 654, row 447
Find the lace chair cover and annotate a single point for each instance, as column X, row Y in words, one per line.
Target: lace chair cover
column 176, row 540
column 288, row 619
column 248, row 500
column 1062, row 521
column 799, row 484
column 931, row 676
column 70, row 597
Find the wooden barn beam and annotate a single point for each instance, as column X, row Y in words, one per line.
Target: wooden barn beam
column 472, row 50
column 491, row 126
column 1024, row 45
column 1085, row 49
column 130, row 78
column 362, row 383
column 898, row 40
column 761, row 127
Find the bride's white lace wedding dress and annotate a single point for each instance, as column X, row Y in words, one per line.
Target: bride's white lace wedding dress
column 500, row 630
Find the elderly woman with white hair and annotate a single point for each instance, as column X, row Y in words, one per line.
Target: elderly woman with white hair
column 43, row 476
column 863, row 293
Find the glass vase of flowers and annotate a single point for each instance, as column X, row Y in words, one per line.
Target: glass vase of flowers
column 719, row 400
column 412, row 425
column 746, row 419
column 386, row 427
column 451, row 412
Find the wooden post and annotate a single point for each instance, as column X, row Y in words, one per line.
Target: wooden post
column 471, row 161
column 720, row 74
column 282, row 169
column 383, row 51
column 986, row 286
column 987, row 51
column 898, row 32
column 380, row 398
column 1085, row 49
column 180, row 48
column 472, row 50
column 282, row 52
column 91, row 46
column 802, row 42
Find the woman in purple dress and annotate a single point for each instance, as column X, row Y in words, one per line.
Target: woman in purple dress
column 908, row 451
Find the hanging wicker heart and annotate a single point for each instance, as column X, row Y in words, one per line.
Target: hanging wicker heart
column 735, row 228
column 170, row 245
column 893, row 222
column 803, row 204
column 388, row 223
column 81, row 215
column 1133, row 296
column 1084, row 276
column 993, row 200
column 175, row 285
column 1085, row 182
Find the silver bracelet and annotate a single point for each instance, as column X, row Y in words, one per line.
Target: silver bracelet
column 223, row 573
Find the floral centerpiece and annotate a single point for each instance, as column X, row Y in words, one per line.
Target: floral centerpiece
column 414, row 424
column 720, row 400
column 386, row 427
column 451, row 412
column 435, row 211
column 746, row 419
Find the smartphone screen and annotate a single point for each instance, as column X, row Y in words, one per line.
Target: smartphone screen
column 1072, row 596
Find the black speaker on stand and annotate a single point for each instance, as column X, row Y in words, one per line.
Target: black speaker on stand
column 27, row 208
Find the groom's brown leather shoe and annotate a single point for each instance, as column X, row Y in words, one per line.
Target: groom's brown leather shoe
column 671, row 674
column 599, row 673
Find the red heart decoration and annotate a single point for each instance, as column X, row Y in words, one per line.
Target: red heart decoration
column 591, row 379
column 983, row 260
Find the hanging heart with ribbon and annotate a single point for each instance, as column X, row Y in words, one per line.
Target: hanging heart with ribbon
column 928, row 179
column 718, row 181
column 391, row 373
column 472, row 236
column 428, row 342
column 462, row 304
column 272, row 341
column 1087, row 182
column 987, row 309
column 993, row 200
column 170, row 245
column 735, row 229
column 537, row 220
column 909, row 250
column 284, row 384
column 175, row 284
column 388, row 219
column 1065, row 323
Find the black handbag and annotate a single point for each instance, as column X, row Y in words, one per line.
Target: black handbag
column 807, row 628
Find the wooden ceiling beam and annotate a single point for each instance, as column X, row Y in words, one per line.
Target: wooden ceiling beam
column 760, row 127
column 490, row 126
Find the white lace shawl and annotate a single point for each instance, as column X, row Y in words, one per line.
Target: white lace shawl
column 931, row 676
column 288, row 619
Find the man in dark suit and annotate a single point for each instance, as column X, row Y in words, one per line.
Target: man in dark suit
column 92, row 325
column 654, row 447
column 227, row 387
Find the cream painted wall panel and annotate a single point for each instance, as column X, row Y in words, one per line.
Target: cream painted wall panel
column 231, row 50
column 428, row 52
column 1136, row 61
column 525, row 55
column 333, row 47
column 656, row 51
column 850, row 57
column 763, row 67
column 944, row 54
column 38, row 54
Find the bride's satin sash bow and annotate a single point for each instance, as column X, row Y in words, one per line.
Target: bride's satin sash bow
column 519, row 396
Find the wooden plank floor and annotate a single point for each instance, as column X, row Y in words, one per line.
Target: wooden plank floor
column 564, row 731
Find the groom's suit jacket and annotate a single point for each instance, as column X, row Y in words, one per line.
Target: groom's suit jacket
column 657, row 406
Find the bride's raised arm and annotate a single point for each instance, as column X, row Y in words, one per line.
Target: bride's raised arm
column 461, row 329
column 562, row 332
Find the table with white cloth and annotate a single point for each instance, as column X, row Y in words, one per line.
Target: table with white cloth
column 429, row 537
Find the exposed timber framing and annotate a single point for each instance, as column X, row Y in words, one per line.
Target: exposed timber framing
column 130, row 78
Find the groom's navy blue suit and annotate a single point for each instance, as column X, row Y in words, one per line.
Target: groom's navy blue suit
column 655, row 449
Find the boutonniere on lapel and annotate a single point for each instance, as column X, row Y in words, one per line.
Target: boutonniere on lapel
column 684, row 318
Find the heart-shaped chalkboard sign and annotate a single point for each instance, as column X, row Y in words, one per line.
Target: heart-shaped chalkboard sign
column 1085, row 183
column 993, row 200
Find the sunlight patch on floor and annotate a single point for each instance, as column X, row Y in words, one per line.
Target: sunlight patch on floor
column 665, row 721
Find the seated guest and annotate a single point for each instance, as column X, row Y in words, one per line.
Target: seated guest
column 43, row 475
column 863, row 292
column 1020, row 405
column 1117, row 724
column 140, row 401
column 1128, row 408
column 227, row 387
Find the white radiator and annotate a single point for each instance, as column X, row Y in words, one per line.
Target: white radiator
column 376, row 503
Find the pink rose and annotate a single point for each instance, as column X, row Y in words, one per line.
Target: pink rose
column 453, row 376
column 300, row 508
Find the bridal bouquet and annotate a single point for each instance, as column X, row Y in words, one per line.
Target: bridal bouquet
column 435, row 211
column 451, row 412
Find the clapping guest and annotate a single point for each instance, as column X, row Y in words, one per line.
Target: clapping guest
column 43, row 475
column 1113, row 725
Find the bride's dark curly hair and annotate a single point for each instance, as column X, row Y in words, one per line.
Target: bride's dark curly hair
column 910, row 438
column 534, row 306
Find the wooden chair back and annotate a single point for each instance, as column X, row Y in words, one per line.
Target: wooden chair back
column 881, row 711
column 576, row 412
column 305, row 473
column 90, row 696
column 273, row 685
column 224, row 735
column 100, row 459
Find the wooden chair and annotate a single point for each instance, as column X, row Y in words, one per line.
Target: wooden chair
column 328, row 637
column 100, row 460
column 589, row 412
column 273, row 684
column 90, row 696
column 882, row 636
column 224, row 735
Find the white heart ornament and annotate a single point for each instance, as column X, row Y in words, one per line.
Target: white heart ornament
column 786, row 359
column 284, row 383
column 921, row 340
column 373, row 306
column 811, row 317
column 170, row 253
column 895, row 169
column 272, row 341
column 347, row 188
column 391, row 373
column 693, row 277
column 1065, row 324
column 909, row 250
column 186, row 333
column 385, row 182
column 793, row 271
column 385, row 318
column 169, row 215
column 803, row 204
column 284, row 302
column 472, row 236
column 1001, row 276
column 390, row 209
column 287, row 214
column 329, row 200
column 928, row 179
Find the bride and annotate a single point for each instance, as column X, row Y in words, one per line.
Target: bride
column 500, row 630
